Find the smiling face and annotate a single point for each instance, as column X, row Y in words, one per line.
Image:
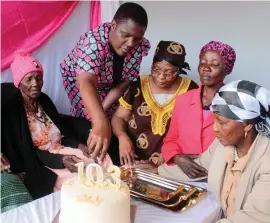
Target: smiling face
column 211, row 68
column 32, row 84
column 125, row 35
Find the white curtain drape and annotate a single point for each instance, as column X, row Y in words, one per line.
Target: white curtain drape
column 59, row 45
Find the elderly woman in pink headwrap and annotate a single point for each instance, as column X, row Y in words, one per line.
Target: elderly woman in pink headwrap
column 191, row 128
column 33, row 132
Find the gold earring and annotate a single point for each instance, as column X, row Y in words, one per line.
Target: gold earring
column 246, row 134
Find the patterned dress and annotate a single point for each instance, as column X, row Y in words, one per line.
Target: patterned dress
column 150, row 118
column 93, row 54
column 47, row 137
column 45, row 134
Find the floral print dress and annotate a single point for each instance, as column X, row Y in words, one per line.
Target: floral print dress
column 45, row 134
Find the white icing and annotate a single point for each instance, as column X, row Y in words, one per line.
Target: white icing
column 101, row 202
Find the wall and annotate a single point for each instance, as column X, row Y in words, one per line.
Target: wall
column 52, row 53
column 243, row 25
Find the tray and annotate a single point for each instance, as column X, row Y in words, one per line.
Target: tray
column 161, row 192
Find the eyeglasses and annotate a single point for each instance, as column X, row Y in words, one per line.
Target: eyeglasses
column 166, row 73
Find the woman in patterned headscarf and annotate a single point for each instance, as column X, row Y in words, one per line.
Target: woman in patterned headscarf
column 183, row 143
column 142, row 120
column 238, row 162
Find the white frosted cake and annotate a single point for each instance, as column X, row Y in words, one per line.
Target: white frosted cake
column 99, row 199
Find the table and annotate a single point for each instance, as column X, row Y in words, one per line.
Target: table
column 45, row 209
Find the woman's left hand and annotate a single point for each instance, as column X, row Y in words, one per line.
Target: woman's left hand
column 84, row 149
column 188, row 166
column 69, row 162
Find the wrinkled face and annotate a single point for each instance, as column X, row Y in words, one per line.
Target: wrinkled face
column 228, row 131
column 211, row 68
column 31, row 84
column 164, row 74
column 125, row 35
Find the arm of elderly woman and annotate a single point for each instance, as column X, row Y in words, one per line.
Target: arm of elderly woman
column 58, row 161
column 172, row 153
column 51, row 160
column 204, row 161
column 70, row 161
column 189, row 167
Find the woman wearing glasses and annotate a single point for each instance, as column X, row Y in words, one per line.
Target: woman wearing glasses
column 142, row 120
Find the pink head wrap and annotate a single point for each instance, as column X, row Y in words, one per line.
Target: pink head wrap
column 226, row 51
column 23, row 64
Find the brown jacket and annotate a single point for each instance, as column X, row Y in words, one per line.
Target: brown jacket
column 252, row 201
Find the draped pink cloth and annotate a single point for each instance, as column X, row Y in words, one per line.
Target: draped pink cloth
column 95, row 14
column 28, row 25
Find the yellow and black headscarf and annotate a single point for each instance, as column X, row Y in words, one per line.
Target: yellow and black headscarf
column 172, row 52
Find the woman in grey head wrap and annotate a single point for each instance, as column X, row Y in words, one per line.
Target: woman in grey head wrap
column 238, row 161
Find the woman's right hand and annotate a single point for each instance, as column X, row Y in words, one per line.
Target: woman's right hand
column 5, row 165
column 99, row 139
column 126, row 151
column 189, row 167
column 69, row 162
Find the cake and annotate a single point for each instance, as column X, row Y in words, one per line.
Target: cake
column 95, row 197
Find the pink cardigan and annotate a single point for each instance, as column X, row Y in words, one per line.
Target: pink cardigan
column 188, row 132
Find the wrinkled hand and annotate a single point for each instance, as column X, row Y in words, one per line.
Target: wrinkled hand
column 126, row 151
column 69, row 162
column 99, row 140
column 147, row 165
column 5, row 165
column 189, row 167
column 84, row 149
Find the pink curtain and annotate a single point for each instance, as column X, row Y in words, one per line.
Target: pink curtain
column 95, row 14
column 27, row 25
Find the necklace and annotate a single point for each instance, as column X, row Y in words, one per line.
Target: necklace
column 236, row 157
column 40, row 115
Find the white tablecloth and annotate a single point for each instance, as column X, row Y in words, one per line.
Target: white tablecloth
column 45, row 209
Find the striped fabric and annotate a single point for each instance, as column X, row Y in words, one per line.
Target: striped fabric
column 13, row 192
column 244, row 101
